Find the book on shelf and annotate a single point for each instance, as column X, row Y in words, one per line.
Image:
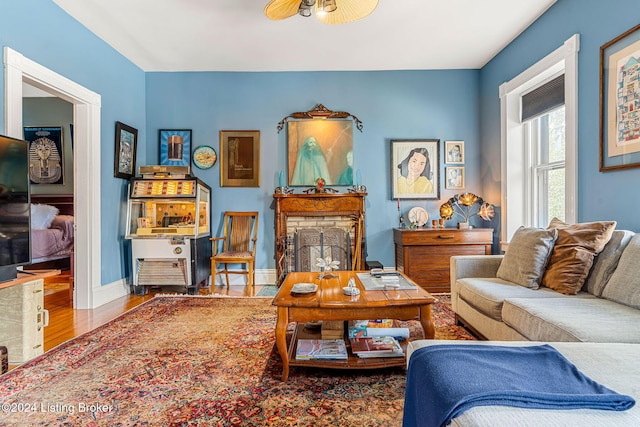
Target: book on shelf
column 376, row 347
column 308, row 349
column 361, row 328
column 380, row 323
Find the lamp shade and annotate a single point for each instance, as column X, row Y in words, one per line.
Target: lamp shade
column 347, row 11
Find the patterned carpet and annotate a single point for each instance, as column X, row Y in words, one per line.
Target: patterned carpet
column 181, row 361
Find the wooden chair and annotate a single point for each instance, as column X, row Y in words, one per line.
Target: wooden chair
column 238, row 246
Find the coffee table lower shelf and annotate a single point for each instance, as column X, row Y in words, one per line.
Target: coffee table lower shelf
column 353, row 362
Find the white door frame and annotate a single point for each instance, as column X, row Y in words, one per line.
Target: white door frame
column 86, row 155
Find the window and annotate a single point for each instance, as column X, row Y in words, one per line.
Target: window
column 545, row 139
column 539, row 143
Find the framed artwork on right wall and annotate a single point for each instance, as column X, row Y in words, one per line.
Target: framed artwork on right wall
column 619, row 102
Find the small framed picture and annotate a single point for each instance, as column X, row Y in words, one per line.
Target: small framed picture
column 454, row 177
column 415, row 169
column 175, row 147
column 126, row 143
column 454, row 152
column 240, row 158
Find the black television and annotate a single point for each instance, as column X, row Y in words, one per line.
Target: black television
column 15, row 207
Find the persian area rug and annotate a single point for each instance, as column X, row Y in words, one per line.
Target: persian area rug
column 189, row 360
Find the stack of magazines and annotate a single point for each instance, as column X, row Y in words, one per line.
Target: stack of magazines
column 321, row 349
column 376, row 347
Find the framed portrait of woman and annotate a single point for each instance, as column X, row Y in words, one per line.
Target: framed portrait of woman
column 415, row 169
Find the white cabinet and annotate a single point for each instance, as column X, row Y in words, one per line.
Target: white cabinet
column 23, row 319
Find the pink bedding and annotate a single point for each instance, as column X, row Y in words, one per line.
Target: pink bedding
column 57, row 240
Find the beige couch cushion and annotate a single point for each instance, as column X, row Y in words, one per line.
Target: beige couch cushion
column 624, row 285
column 585, row 318
column 527, row 256
column 573, row 253
column 487, row 295
column 606, row 262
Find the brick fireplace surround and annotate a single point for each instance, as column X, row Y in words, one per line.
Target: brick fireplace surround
column 319, row 211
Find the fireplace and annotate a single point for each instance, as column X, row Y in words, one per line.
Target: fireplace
column 311, row 226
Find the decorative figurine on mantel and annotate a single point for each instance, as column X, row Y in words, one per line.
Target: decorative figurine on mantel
column 283, row 188
column 358, row 187
column 320, row 187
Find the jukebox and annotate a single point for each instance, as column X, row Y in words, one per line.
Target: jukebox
column 168, row 223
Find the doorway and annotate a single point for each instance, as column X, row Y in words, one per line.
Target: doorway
column 86, row 155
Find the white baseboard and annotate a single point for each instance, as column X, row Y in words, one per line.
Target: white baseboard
column 110, row 292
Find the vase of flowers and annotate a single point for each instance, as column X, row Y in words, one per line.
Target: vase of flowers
column 327, row 265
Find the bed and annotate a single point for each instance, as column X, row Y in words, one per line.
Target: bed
column 52, row 233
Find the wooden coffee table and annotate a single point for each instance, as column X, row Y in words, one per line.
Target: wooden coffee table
column 330, row 303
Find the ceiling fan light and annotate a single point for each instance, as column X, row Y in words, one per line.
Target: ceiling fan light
column 304, row 11
column 327, row 6
column 349, row 11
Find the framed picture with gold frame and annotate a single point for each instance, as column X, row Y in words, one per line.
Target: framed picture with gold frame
column 240, row 158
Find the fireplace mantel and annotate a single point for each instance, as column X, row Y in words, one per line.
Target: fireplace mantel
column 316, row 205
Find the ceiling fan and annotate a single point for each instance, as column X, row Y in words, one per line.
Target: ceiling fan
column 327, row 11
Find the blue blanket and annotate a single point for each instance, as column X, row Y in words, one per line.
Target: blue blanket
column 445, row 380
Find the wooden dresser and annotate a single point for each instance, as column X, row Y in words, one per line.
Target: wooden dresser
column 423, row 254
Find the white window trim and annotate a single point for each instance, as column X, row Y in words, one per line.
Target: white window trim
column 514, row 201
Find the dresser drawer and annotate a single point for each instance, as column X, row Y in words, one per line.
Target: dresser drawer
column 425, row 254
column 447, row 236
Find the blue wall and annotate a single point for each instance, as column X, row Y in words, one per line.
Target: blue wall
column 601, row 196
column 444, row 104
column 391, row 104
column 44, row 33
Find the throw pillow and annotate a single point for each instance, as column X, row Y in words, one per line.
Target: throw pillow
column 42, row 216
column 573, row 253
column 624, row 285
column 527, row 256
column 605, row 263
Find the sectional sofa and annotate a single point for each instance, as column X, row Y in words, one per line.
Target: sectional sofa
column 574, row 287
column 605, row 309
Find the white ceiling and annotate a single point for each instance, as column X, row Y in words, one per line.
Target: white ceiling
column 234, row 35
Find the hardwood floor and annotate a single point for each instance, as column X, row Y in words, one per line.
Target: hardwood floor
column 66, row 323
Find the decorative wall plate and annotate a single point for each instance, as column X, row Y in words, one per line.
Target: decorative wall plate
column 418, row 216
column 204, row 157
